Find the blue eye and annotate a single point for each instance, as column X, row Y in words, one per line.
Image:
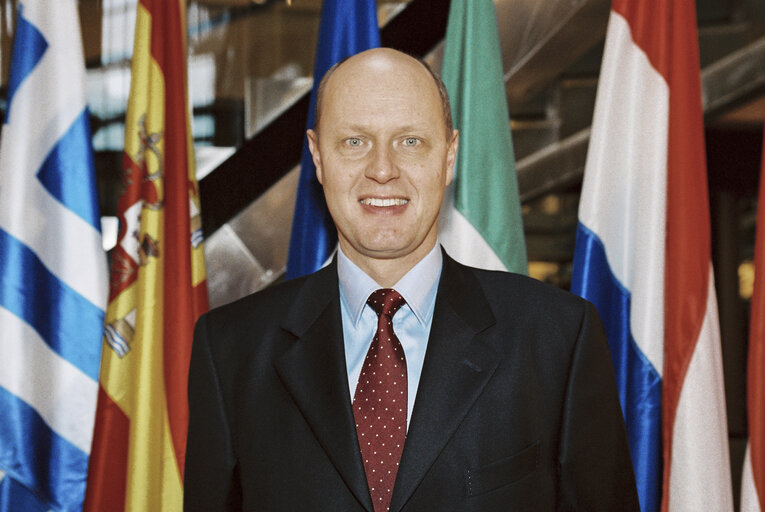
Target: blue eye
column 411, row 141
column 354, row 141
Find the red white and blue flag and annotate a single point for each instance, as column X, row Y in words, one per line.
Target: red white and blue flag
column 643, row 255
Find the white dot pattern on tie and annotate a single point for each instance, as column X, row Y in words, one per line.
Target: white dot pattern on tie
column 380, row 401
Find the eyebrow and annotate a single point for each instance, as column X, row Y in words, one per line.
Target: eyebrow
column 404, row 129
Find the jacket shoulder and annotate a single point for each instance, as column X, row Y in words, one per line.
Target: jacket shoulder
column 273, row 298
column 268, row 310
column 524, row 293
column 279, row 298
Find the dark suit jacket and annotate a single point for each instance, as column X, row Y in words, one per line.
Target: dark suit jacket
column 516, row 408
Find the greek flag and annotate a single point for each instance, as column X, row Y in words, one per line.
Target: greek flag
column 53, row 284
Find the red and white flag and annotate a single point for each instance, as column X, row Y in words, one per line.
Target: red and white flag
column 695, row 432
column 753, row 477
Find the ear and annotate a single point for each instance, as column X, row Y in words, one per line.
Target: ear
column 313, row 147
column 451, row 156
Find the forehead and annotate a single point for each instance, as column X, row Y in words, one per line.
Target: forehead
column 382, row 90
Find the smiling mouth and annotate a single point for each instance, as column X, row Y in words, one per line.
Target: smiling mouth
column 376, row 201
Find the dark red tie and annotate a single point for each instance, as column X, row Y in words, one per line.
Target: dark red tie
column 380, row 401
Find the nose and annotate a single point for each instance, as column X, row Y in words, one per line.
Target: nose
column 381, row 167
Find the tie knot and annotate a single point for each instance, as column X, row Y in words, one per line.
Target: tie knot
column 385, row 301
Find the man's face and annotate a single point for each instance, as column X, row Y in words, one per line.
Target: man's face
column 383, row 156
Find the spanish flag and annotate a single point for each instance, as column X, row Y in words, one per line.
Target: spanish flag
column 157, row 283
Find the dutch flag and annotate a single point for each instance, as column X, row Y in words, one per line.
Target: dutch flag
column 643, row 255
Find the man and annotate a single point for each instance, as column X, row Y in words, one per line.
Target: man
column 301, row 399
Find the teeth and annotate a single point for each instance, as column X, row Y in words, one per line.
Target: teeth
column 375, row 201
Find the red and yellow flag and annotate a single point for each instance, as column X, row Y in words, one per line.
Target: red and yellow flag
column 157, row 286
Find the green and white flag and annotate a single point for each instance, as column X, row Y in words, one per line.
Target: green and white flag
column 480, row 222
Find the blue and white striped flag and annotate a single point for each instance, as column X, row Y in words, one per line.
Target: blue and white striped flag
column 53, row 278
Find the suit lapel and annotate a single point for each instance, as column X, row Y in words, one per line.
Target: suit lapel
column 457, row 367
column 314, row 372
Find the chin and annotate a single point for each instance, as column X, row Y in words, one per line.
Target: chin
column 392, row 250
column 384, row 253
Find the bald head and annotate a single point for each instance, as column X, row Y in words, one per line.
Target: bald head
column 384, row 60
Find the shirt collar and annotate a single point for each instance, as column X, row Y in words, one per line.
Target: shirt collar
column 418, row 286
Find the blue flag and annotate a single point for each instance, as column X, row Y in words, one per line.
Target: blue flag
column 347, row 27
column 53, row 279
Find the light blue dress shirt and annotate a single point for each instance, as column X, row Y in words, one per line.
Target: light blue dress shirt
column 411, row 323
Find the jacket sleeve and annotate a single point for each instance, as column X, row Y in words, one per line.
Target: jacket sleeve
column 210, row 483
column 594, row 459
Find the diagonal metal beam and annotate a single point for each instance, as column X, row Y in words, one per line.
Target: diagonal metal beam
column 268, row 156
column 540, row 40
column 734, row 79
column 726, row 85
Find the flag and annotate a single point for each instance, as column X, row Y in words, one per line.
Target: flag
column 347, row 27
column 53, row 282
column 643, row 255
column 157, row 282
column 480, row 222
column 753, row 475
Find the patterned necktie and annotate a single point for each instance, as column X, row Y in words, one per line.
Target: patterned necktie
column 380, row 401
